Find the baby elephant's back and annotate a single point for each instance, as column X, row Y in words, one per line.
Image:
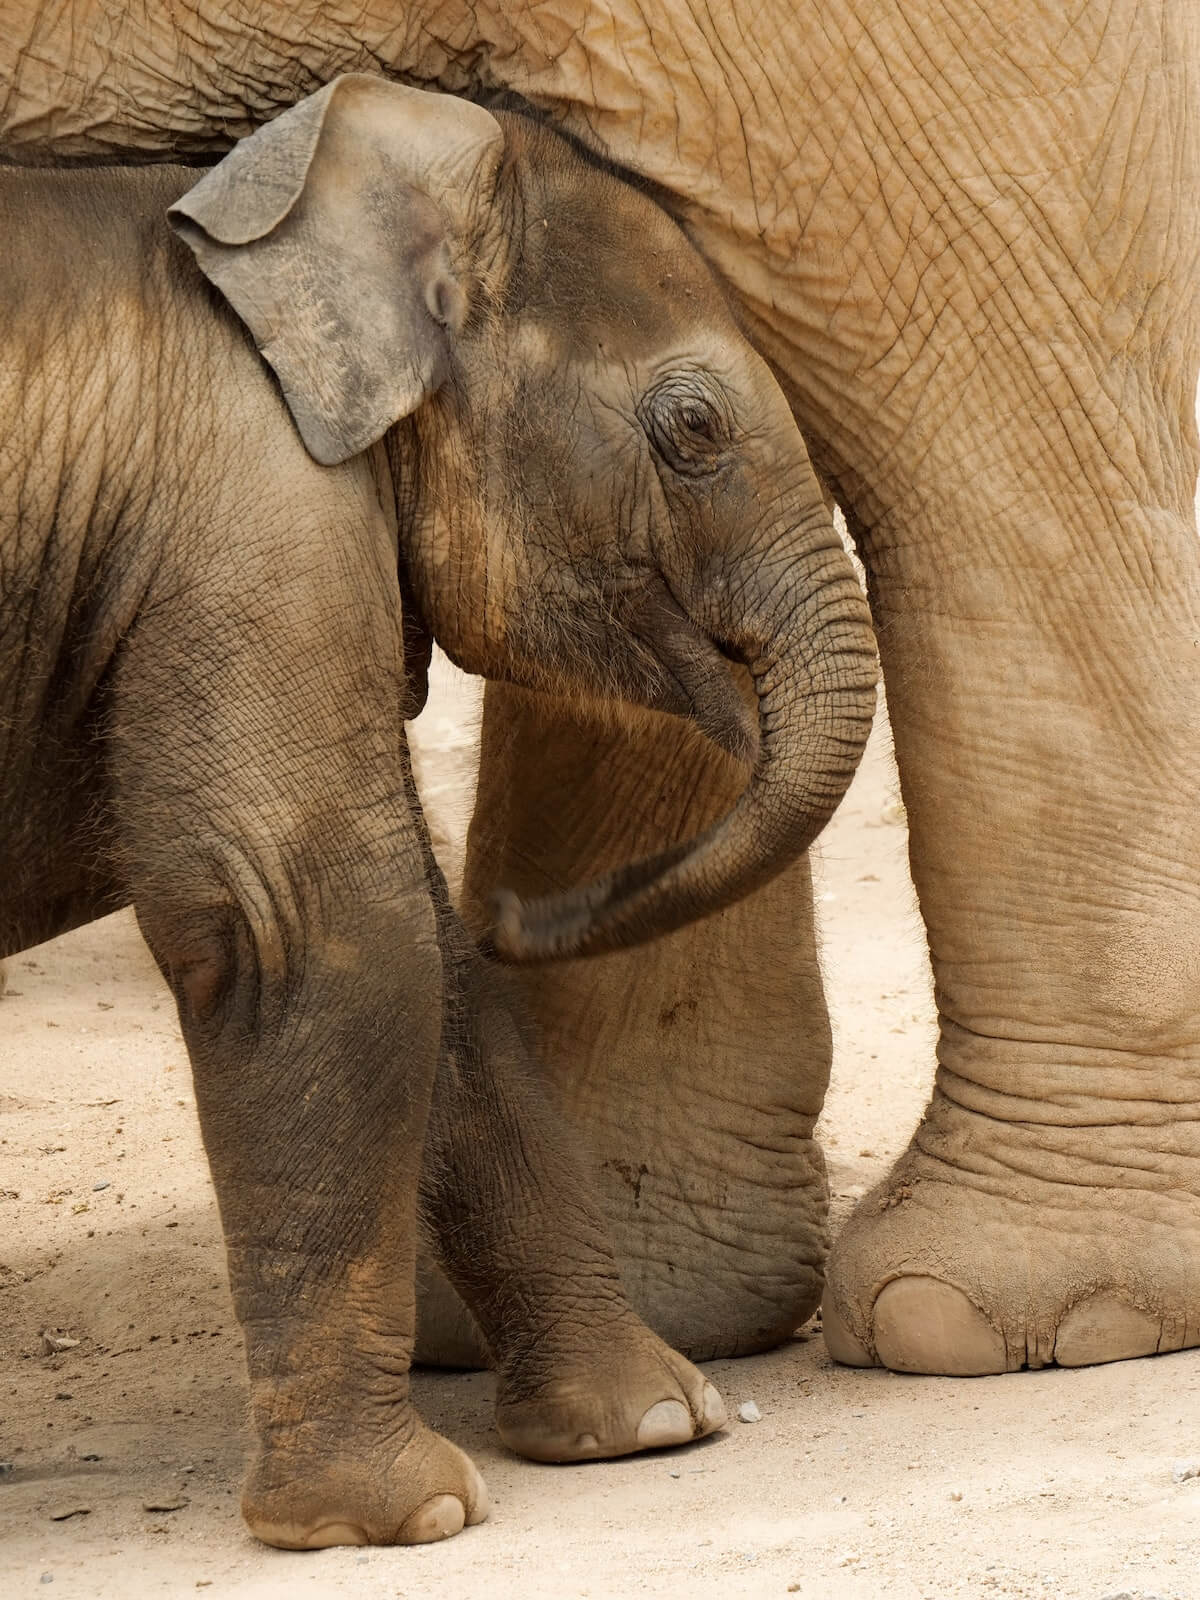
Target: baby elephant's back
column 85, row 249
column 105, row 326
column 85, row 274
column 90, row 274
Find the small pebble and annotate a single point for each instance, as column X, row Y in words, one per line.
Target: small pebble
column 749, row 1412
column 103, row 1184
column 46, row 1577
column 674, row 1472
column 956, row 1494
column 1183, row 1470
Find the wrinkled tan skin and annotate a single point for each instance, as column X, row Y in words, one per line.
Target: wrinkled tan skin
column 968, row 240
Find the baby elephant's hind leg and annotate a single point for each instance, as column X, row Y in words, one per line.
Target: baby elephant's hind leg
column 522, row 1241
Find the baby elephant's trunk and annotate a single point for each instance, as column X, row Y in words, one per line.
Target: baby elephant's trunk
column 800, row 623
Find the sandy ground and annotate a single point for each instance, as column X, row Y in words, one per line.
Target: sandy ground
column 852, row 1485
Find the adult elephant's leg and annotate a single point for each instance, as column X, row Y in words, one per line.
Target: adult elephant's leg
column 1024, row 498
column 1047, row 729
column 692, row 1069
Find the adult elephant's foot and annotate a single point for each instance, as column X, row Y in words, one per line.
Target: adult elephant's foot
column 305, row 1493
column 611, row 1390
column 995, row 1246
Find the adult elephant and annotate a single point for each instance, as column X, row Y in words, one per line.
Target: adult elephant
column 967, row 239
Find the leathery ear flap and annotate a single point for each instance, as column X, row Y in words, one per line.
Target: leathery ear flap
column 336, row 234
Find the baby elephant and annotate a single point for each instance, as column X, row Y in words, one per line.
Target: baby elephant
column 517, row 399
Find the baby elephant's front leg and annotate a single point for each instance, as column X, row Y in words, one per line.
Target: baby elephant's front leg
column 522, row 1241
column 272, row 854
column 312, row 1119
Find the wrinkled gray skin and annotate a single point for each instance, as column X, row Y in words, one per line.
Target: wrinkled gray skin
column 968, row 238
column 585, row 479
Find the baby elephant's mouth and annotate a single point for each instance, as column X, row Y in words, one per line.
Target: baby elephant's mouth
column 694, row 678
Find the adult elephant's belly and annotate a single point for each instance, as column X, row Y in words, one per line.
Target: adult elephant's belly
column 690, row 1087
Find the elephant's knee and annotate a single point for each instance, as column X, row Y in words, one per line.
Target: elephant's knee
column 210, row 958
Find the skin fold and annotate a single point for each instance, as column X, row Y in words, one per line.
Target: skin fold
column 206, row 667
column 967, row 241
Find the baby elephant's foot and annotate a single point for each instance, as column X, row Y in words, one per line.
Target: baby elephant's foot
column 610, row 1392
column 420, row 1488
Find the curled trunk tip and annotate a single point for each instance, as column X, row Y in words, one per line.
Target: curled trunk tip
column 816, row 703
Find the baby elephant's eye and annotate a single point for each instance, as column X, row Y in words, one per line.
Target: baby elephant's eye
column 686, row 418
column 699, row 421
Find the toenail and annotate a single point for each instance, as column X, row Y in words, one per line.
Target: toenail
column 924, row 1325
column 844, row 1347
column 480, row 1505
column 668, row 1422
column 440, row 1516
column 331, row 1533
column 1103, row 1328
column 713, row 1414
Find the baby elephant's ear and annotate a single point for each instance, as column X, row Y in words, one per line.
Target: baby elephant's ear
column 337, row 233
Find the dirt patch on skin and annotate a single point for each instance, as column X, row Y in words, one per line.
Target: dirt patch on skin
column 122, row 1453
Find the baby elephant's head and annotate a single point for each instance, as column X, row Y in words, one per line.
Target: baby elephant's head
column 601, row 488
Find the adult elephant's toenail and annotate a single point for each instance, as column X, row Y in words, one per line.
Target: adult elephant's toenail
column 668, row 1422
column 844, row 1347
column 924, row 1325
column 1103, row 1328
column 331, row 1533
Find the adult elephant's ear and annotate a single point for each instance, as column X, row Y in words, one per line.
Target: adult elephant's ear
column 337, row 234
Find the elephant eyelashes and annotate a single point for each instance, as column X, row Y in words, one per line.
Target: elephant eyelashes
column 687, row 425
column 699, row 424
